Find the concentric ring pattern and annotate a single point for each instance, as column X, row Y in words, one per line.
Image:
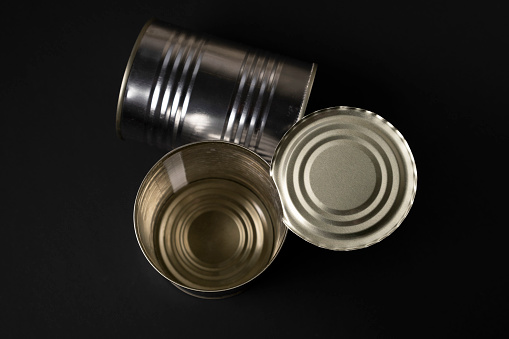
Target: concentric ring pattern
column 214, row 234
column 346, row 178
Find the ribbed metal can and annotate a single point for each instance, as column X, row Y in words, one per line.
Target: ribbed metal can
column 208, row 218
column 180, row 87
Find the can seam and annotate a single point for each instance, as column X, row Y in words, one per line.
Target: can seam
column 125, row 78
column 307, row 91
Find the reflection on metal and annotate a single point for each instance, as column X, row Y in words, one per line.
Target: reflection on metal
column 180, row 87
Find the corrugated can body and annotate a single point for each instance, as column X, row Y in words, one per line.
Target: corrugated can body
column 180, row 87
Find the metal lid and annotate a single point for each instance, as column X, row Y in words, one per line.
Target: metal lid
column 346, row 178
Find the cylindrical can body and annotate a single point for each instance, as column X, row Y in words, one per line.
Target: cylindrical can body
column 208, row 218
column 180, row 87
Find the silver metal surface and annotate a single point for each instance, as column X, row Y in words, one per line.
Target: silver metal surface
column 180, row 87
column 346, row 177
column 208, row 218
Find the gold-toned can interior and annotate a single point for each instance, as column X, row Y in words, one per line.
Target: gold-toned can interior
column 208, row 217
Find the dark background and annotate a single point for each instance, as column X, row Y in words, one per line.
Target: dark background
column 71, row 265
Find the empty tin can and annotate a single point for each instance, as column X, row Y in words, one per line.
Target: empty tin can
column 211, row 216
column 180, row 87
column 208, row 218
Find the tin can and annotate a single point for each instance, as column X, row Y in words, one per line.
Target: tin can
column 211, row 216
column 346, row 177
column 208, row 218
column 180, row 87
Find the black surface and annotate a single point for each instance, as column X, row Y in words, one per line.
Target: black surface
column 70, row 261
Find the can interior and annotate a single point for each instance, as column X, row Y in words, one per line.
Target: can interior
column 208, row 216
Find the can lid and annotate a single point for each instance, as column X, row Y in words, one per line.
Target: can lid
column 346, row 178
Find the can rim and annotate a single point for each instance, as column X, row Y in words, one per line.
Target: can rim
column 125, row 78
column 202, row 293
column 307, row 91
